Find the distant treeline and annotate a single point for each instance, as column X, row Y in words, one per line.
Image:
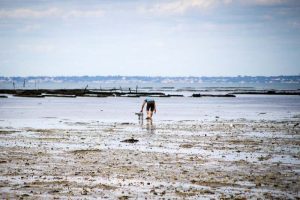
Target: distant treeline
column 158, row 79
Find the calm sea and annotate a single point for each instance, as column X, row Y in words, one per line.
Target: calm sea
column 61, row 112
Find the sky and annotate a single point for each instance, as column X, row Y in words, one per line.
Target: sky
column 149, row 38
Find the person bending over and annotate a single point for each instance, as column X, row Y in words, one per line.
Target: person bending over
column 151, row 107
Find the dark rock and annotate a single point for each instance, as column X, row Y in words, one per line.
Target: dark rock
column 132, row 140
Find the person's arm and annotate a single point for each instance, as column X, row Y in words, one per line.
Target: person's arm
column 143, row 106
column 154, row 107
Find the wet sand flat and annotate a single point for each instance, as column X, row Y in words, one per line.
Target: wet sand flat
column 221, row 159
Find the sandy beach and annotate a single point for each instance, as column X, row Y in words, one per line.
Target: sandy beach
column 220, row 159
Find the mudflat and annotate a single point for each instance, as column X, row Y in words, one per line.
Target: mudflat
column 221, row 159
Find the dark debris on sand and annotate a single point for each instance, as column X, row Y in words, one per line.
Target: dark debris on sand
column 131, row 140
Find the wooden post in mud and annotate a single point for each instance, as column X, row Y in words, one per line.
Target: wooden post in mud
column 85, row 89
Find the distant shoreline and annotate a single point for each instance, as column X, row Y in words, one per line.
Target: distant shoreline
column 152, row 82
column 161, row 79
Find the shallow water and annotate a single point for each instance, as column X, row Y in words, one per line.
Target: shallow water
column 60, row 112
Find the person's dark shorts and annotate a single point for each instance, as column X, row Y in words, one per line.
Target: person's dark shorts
column 150, row 106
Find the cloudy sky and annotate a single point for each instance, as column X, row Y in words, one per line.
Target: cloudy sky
column 165, row 38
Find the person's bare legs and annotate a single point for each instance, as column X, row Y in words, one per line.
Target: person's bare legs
column 149, row 114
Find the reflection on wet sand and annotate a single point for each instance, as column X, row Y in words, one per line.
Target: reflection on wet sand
column 150, row 127
column 141, row 121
